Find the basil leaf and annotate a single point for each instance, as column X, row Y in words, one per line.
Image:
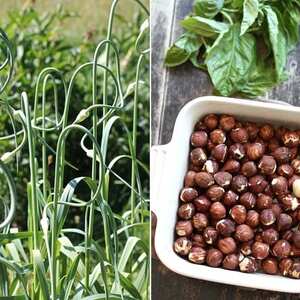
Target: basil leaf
column 234, row 3
column 203, row 26
column 208, row 8
column 278, row 41
column 188, row 41
column 182, row 49
column 176, row 56
column 260, row 80
column 229, row 61
column 250, row 13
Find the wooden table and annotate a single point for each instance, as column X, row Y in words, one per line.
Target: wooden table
column 171, row 89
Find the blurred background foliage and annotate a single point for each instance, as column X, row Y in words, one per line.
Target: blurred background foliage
column 65, row 39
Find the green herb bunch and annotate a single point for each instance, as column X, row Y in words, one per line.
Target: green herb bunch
column 242, row 44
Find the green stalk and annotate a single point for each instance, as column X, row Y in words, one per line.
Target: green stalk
column 33, row 181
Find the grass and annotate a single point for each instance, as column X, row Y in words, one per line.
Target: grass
column 50, row 261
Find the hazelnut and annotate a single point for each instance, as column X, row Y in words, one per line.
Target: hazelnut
column 284, row 222
column 257, row 184
column 249, row 169
column 197, row 255
column 188, row 194
column 244, row 233
column 198, row 157
column 276, row 209
column 252, row 130
column 210, row 235
column 285, row 170
column 214, row 257
column 279, row 185
column 287, row 235
column 200, row 126
column 291, row 180
column 189, row 179
column 248, row 200
column 267, row 165
column 245, row 248
column 294, row 152
column 296, row 238
column 238, row 214
column 184, row 228
column 194, row 168
column 215, row 193
column 255, row 151
column 282, row 155
column 223, row 178
column 252, row 218
column 285, row 266
column 217, row 211
column 230, row 262
column 230, row 198
column 182, row 246
column 204, row 179
column 260, row 250
column 290, row 139
column 219, row 152
column 280, row 132
column 202, row 204
column 236, row 151
column 267, row 217
column 231, row 166
column 199, row 139
column 270, row 266
column 198, row 240
column 239, row 183
column 200, row 221
column 295, row 270
column 289, row 202
column 295, row 252
column 225, row 227
column 248, row 265
column 296, row 165
column 273, row 145
column 186, row 211
column 270, row 236
column 266, row 132
column 263, row 201
column 296, row 188
column 239, row 135
column 227, row 245
column 211, row 166
column 227, row 122
column 211, row 121
column 217, row 136
column 282, row 248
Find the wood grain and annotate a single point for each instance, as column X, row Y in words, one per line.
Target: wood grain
column 171, row 89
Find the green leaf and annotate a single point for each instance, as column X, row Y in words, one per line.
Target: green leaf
column 203, row 26
column 230, row 59
column 277, row 40
column 208, row 8
column 236, row 3
column 260, row 80
column 41, row 273
column 182, row 49
column 250, row 13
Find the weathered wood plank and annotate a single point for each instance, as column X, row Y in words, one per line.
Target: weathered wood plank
column 171, row 89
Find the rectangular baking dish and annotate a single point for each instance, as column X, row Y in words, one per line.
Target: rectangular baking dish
column 168, row 167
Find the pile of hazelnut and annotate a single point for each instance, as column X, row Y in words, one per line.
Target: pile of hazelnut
column 239, row 208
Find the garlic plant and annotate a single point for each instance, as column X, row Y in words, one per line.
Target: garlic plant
column 44, row 262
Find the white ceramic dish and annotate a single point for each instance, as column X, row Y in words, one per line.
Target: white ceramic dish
column 168, row 167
